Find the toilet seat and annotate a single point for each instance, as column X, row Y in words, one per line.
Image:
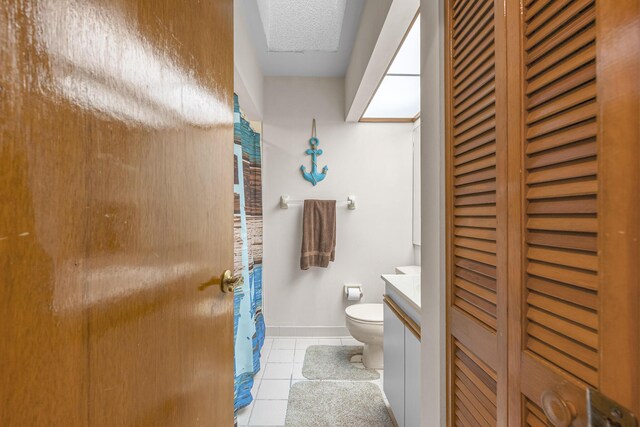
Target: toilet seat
column 365, row 313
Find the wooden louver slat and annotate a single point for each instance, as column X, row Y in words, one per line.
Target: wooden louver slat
column 534, row 417
column 561, row 189
column 474, row 389
column 474, row 163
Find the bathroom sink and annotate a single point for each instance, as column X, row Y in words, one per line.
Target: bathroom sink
column 409, row 269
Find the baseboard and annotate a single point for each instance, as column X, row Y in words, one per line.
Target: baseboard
column 307, row 331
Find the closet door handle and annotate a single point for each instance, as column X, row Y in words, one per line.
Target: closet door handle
column 226, row 281
column 558, row 411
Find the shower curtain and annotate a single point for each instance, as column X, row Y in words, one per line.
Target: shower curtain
column 248, row 320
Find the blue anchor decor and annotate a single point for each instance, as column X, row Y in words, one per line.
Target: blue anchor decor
column 314, row 177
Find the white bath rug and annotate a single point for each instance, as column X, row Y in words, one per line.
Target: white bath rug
column 335, row 362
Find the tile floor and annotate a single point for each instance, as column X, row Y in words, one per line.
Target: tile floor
column 281, row 366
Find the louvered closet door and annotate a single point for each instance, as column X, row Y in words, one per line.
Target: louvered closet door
column 476, row 231
column 543, row 201
column 564, row 304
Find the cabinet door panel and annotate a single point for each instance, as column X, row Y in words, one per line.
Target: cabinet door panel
column 411, row 379
column 394, row 363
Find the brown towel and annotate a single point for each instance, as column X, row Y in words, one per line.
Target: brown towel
column 318, row 233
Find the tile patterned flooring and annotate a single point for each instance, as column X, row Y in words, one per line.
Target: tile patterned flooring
column 281, row 366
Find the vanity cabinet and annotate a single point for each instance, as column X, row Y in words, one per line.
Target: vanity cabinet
column 401, row 366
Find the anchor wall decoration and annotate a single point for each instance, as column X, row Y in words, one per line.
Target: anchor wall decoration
column 314, row 176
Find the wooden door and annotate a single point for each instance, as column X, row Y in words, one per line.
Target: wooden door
column 476, row 213
column 543, row 194
column 573, row 256
column 116, row 204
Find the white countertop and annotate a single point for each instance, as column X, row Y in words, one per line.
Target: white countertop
column 407, row 286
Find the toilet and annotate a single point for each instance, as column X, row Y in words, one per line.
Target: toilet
column 365, row 323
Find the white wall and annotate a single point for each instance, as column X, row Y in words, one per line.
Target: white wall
column 417, row 216
column 433, row 215
column 248, row 79
column 372, row 162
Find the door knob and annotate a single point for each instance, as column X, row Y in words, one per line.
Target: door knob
column 559, row 412
column 226, row 281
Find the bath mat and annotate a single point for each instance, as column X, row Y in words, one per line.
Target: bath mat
column 333, row 362
column 336, row 403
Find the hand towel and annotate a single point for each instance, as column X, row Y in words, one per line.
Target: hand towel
column 318, row 233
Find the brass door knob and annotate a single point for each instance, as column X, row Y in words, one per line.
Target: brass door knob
column 559, row 412
column 226, row 281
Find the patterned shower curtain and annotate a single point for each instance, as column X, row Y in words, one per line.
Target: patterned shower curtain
column 248, row 320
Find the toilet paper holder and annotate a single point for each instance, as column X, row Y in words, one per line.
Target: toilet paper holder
column 353, row 292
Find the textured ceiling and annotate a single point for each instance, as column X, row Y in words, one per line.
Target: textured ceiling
column 302, row 25
column 303, row 37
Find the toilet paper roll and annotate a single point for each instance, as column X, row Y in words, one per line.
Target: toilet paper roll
column 353, row 294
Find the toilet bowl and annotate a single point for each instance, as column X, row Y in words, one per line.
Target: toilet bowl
column 365, row 323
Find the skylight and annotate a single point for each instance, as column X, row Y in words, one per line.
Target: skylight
column 302, row 25
column 398, row 96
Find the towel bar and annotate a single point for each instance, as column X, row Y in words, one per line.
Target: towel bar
column 285, row 201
